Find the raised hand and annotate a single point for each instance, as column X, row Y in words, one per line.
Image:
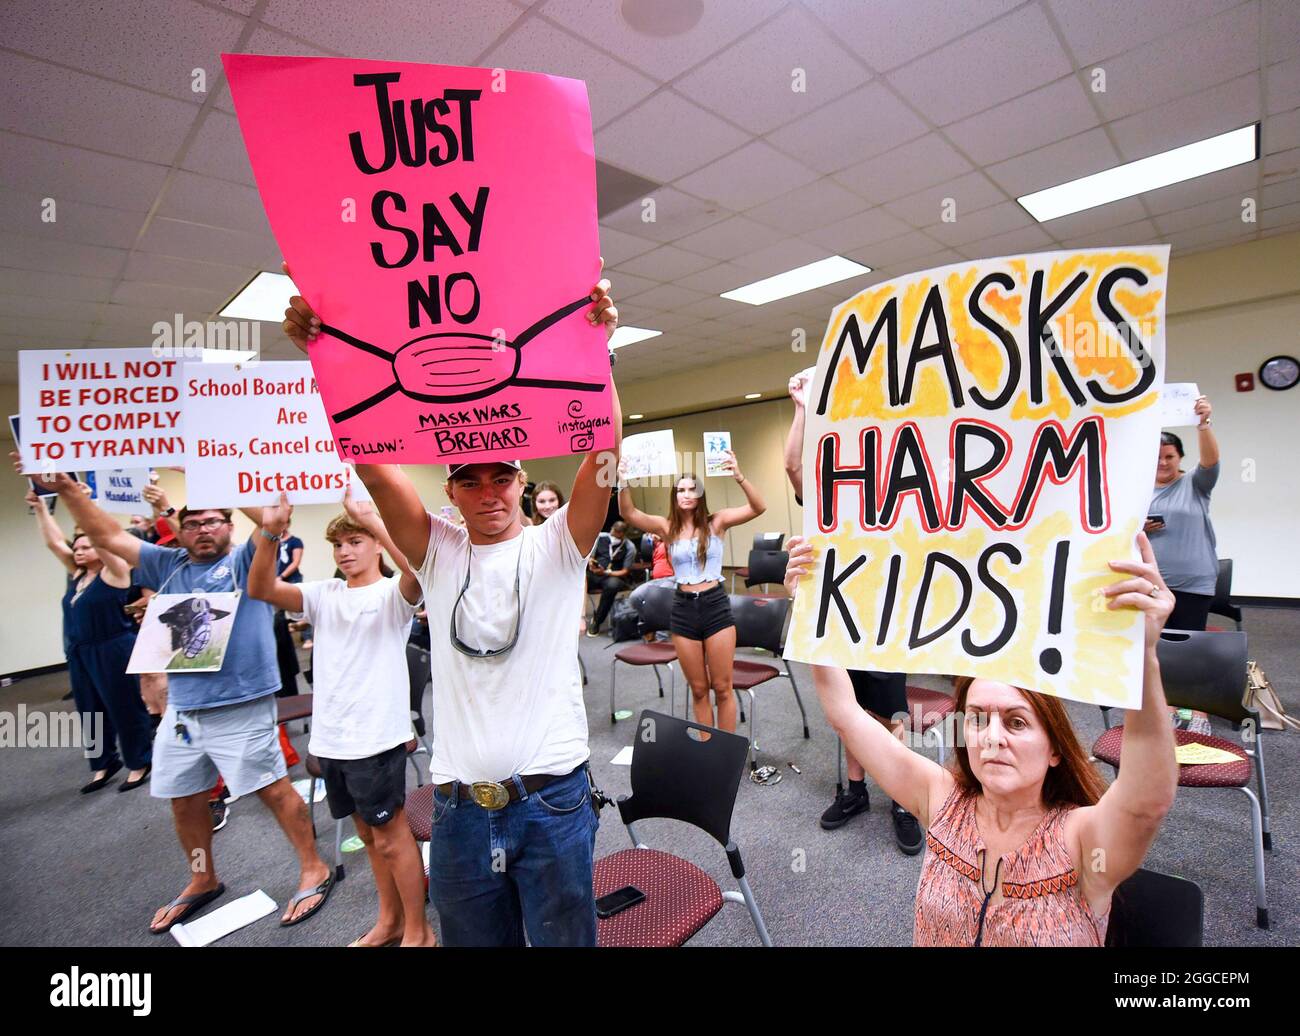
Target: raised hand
column 301, row 324
column 799, row 385
column 360, row 511
column 1146, row 591
column 276, row 517
column 1203, row 410
column 603, row 310
column 800, row 563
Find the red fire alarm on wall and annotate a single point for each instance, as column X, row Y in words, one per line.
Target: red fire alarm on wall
column 1246, row 382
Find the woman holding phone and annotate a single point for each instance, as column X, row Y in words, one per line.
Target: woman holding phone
column 1178, row 523
column 703, row 631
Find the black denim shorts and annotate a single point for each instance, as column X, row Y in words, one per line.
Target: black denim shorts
column 373, row 787
column 698, row 617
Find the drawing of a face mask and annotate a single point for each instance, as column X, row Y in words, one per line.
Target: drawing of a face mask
column 459, row 366
column 190, row 623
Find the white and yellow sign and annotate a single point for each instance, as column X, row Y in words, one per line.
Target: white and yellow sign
column 981, row 440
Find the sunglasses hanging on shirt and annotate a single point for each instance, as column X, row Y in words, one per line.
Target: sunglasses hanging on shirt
column 473, row 652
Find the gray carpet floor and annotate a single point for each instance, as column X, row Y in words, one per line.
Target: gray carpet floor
column 90, row 870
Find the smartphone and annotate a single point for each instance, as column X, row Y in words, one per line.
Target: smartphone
column 618, row 901
column 1156, row 518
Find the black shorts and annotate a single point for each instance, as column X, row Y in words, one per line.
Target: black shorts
column 374, row 787
column 885, row 694
column 699, row 616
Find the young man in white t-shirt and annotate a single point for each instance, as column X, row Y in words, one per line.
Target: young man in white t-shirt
column 514, row 825
column 361, row 714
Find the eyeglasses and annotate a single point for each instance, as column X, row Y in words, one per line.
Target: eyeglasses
column 473, row 652
column 207, row 525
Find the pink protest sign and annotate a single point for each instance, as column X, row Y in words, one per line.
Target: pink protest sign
column 442, row 222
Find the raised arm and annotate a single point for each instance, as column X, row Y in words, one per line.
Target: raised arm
column 910, row 779
column 752, row 508
column 589, row 497
column 1114, row 835
column 364, row 514
column 1206, row 443
column 794, row 439
column 634, row 516
column 262, row 583
column 51, row 533
column 400, row 507
column 102, row 528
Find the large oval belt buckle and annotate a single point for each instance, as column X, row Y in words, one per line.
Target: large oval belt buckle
column 490, row 794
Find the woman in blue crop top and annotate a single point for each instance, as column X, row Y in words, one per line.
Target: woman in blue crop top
column 703, row 631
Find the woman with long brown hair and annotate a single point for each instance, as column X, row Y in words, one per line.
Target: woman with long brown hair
column 703, row 631
column 1024, row 843
column 547, row 499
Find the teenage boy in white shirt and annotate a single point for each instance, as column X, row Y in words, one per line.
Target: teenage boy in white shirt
column 361, row 714
column 514, row 825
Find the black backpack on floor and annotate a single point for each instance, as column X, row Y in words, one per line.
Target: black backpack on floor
column 625, row 623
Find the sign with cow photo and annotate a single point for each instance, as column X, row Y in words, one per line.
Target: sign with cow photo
column 184, row 633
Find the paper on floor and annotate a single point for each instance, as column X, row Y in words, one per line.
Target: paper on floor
column 624, row 757
column 221, row 922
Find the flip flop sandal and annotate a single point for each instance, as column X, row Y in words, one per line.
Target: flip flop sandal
column 374, row 945
column 192, row 903
column 323, row 890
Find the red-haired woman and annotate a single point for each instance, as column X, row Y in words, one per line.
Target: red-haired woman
column 1025, row 844
column 703, row 631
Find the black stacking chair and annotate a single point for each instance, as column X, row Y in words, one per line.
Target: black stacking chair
column 1150, row 910
column 1222, row 603
column 1207, row 671
column 760, row 623
column 654, row 604
column 764, row 543
column 687, row 772
column 766, row 566
column 419, row 667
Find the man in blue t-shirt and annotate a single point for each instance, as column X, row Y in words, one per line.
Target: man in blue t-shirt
column 221, row 723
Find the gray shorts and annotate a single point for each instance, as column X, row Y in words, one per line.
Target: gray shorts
column 238, row 742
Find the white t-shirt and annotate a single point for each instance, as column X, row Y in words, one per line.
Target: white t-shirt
column 363, row 690
column 521, row 712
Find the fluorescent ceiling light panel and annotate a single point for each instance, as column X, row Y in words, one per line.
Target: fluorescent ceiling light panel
column 635, row 417
column 265, row 297
column 793, row 282
column 753, row 395
column 630, row 336
column 1146, row 174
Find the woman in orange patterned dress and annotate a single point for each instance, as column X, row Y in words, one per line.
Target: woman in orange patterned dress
column 1024, row 843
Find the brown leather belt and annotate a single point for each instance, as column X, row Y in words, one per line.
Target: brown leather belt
column 494, row 795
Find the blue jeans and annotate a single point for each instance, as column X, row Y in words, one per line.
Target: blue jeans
column 496, row 874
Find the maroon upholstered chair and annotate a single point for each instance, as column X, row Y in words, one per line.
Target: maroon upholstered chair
column 1207, row 671
column 687, row 772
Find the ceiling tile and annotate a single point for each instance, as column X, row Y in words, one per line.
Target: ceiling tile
column 808, row 207
column 684, row 137
column 268, row 41
column 1033, row 120
column 1140, row 232
column 538, row 46
column 855, row 232
column 1281, row 132
column 965, row 194
column 778, row 258
column 1283, row 83
column 661, row 56
column 754, row 174
column 76, row 221
column 1227, row 106
column 997, row 219
column 616, row 246
column 422, row 32
column 1116, row 214
column 718, row 278
column 673, row 215
column 1005, row 58
column 864, row 123
column 156, row 44
column 1026, row 240
column 218, row 203
column 1280, row 192
column 187, row 273
column 37, row 252
column 1283, row 215
column 753, row 82
column 67, row 287
column 887, row 33
column 903, row 171
column 1226, row 232
column 899, row 251
column 120, row 120
column 1200, row 215
column 214, row 244
column 667, row 263
column 63, row 171
column 625, row 285
column 1241, row 180
column 218, row 150
column 1057, row 163
column 733, row 236
column 1200, row 55
column 665, row 296
column 1097, row 29
column 1281, row 29
column 189, row 301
